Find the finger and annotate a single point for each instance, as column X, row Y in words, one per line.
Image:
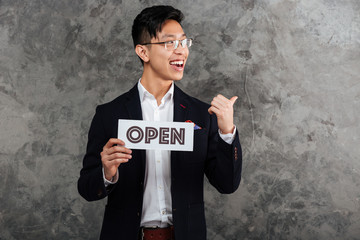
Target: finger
column 112, row 142
column 118, row 149
column 219, row 103
column 122, row 149
column 219, row 96
column 223, row 99
column 115, row 162
column 117, row 156
column 226, row 101
column 210, row 110
column 123, row 160
column 215, row 110
column 233, row 99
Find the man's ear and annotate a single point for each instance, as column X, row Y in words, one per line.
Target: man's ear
column 143, row 52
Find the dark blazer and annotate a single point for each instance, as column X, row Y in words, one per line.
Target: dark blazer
column 220, row 162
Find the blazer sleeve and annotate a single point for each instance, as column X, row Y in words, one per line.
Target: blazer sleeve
column 91, row 183
column 224, row 161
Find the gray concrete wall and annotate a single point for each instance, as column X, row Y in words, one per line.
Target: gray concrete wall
column 294, row 65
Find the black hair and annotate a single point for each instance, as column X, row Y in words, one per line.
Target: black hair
column 150, row 21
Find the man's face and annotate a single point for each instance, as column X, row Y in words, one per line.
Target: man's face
column 168, row 64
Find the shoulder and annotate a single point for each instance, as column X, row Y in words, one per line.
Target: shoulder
column 192, row 101
column 118, row 102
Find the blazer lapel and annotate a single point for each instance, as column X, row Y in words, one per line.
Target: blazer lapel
column 181, row 110
column 181, row 107
column 133, row 105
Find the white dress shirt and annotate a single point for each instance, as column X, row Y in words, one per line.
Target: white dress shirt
column 157, row 210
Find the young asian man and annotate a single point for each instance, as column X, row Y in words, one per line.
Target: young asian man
column 158, row 194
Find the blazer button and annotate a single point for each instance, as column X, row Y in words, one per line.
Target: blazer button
column 235, row 153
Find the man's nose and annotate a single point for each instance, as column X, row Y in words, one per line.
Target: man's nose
column 181, row 50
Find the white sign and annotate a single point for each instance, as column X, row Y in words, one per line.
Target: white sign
column 178, row 136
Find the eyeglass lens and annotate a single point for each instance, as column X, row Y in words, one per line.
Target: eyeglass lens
column 174, row 44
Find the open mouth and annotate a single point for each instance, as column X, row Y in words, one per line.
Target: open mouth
column 178, row 65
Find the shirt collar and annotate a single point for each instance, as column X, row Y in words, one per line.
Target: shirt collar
column 143, row 93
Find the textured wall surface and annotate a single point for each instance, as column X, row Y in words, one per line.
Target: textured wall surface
column 294, row 64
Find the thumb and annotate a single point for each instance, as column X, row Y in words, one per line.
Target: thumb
column 233, row 99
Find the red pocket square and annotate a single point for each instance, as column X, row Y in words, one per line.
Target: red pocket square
column 196, row 127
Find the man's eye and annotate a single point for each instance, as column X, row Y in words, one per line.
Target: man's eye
column 170, row 43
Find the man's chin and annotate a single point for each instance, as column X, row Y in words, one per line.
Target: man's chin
column 178, row 77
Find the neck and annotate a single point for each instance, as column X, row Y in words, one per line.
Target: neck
column 156, row 86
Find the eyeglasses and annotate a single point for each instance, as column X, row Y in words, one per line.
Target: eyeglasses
column 172, row 45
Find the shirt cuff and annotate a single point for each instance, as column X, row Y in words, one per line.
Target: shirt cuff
column 229, row 137
column 113, row 180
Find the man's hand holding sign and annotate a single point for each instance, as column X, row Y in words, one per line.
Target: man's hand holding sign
column 114, row 153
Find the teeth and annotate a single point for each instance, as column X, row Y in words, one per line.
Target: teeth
column 177, row 63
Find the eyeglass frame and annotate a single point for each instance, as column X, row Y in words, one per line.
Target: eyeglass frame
column 175, row 41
